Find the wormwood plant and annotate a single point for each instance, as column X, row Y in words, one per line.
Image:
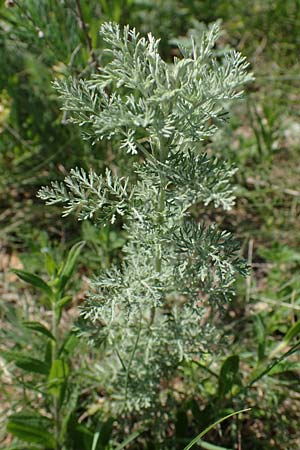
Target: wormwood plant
column 151, row 312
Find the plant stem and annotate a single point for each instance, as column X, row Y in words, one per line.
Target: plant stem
column 131, row 359
column 160, row 210
column 54, row 356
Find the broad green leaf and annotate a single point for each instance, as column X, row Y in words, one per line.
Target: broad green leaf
column 57, row 376
column 210, row 427
column 25, row 362
column 30, row 429
column 229, row 375
column 67, row 269
column 39, row 328
column 34, row 280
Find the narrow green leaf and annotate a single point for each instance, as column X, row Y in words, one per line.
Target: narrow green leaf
column 95, row 440
column 293, row 332
column 102, row 436
column 209, row 446
column 260, row 333
column 27, row 417
column 30, row 429
column 285, row 366
column 130, row 439
column 31, row 434
column 68, row 414
column 64, row 301
column 51, row 265
column 67, row 269
column 25, row 362
column 105, row 431
column 264, row 369
column 290, row 335
column 34, row 280
column 210, row 427
column 39, row 328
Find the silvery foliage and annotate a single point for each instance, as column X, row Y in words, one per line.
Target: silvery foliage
column 152, row 310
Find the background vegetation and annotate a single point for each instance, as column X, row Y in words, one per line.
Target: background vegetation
column 41, row 40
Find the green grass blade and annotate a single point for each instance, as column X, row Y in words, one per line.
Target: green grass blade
column 210, row 427
column 95, row 440
column 208, row 446
column 130, row 438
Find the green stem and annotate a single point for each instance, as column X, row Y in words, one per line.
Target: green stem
column 56, row 417
column 152, row 315
column 131, row 359
column 160, row 211
column 206, row 369
column 145, row 152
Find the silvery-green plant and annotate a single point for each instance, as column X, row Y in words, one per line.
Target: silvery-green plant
column 151, row 311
